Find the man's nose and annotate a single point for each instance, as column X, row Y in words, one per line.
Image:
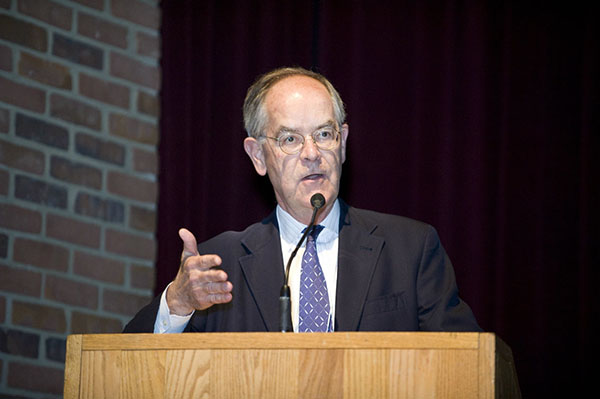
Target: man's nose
column 309, row 149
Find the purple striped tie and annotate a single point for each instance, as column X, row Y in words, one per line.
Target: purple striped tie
column 313, row 311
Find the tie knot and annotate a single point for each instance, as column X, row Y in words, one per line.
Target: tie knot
column 315, row 231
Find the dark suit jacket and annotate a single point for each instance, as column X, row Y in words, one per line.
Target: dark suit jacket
column 393, row 275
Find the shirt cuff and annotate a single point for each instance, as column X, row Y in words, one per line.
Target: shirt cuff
column 167, row 323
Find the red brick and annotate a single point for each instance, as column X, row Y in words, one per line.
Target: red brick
column 20, row 281
column 102, row 30
column 142, row 277
column 83, row 323
column 47, row 11
column 23, row 33
column 148, row 45
column 56, row 349
column 75, row 111
column 133, row 129
column 75, row 172
column 41, row 192
column 31, row 377
column 21, row 343
column 71, row 230
column 100, row 208
column 99, row 267
column 4, row 120
column 145, row 161
column 22, row 96
column 5, row 58
column 130, row 245
column 4, row 182
column 148, row 104
column 77, row 51
column 41, row 254
column 123, row 302
column 135, row 71
column 137, row 12
column 71, row 292
column 44, row 71
column 3, row 245
column 17, row 218
column 40, row 317
column 2, row 310
column 142, row 219
column 41, row 131
column 103, row 150
column 23, row 158
column 132, row 187
column 102, row 90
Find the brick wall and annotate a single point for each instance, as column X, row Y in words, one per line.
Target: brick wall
column 79, row 85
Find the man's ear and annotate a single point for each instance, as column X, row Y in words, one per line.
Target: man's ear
column 344, row 134
column 255, row 152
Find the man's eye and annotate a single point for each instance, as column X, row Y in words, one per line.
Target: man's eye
column 324, row 134
column 289, row 139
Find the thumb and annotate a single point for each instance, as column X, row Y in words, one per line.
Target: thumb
column 190, row 248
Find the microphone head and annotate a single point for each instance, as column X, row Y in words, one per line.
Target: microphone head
column 317, row 200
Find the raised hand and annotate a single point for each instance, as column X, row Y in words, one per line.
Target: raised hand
column 199, row 284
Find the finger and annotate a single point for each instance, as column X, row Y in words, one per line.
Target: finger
column 214, row 287
column 220, row 298
column 202, row 264
column 212, row 293
column 211, row 275
column 190, row 247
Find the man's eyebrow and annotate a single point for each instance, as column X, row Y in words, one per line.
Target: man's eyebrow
column 285, row 129
column 329, row 123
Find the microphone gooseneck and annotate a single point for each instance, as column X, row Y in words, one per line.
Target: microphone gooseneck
column 285, row 310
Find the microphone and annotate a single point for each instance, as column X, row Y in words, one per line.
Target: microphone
column 285, row 309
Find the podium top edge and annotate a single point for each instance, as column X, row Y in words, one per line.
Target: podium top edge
column 276, row 340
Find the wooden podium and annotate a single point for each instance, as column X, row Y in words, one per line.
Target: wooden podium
column 278, row 365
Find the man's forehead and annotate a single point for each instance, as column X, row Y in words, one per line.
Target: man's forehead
column 298, row 103
column 296, row 85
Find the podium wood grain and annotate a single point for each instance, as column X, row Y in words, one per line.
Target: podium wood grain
column 278, row 365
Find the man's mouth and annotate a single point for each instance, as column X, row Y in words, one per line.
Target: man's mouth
column 313, row 177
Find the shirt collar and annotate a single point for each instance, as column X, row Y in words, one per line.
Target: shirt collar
column 291, row 229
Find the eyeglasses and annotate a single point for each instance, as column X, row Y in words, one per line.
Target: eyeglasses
column 326, row 138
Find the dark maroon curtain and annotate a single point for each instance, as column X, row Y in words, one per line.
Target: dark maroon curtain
column 481, row 118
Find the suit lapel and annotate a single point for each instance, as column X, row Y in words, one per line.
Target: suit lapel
column 263, row 269
column 358, row 254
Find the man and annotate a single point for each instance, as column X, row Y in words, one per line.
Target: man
column 374, row 272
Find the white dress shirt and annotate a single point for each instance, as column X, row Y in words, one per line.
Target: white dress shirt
column 290, row 232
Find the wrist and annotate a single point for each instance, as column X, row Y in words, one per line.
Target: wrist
column 176, row 305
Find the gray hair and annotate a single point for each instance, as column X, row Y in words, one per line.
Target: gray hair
column 255, row 116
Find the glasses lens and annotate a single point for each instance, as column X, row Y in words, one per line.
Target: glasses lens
column 325, row 138
column 290, row 143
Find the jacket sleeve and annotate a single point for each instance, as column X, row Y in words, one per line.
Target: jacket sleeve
column 439, row 306
column 143, row 321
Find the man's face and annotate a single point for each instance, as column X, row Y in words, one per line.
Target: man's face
column 299, row 104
